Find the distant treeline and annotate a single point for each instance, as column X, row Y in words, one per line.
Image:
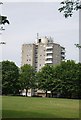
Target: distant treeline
column 63, row 79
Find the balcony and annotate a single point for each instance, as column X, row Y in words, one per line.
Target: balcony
column 49, row 47
column 48, row 62
column 63, row 54
column 49, row 56
column 62, row 57
column 63, row 50
column 49, row 51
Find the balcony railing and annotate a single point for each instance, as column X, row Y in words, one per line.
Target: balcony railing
column 49, row 47
column 63, row 55
column 49, row 51
column 49, row 56
column 63, row 50
column 49, row 61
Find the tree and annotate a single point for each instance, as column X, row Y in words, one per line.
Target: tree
column 44, row 77
column 55, row 87
column 78, row 45
column 27, row 77
column 69, row 72
column 10, row 75
column 3, row 19
column 63, row 79
column 68, row 6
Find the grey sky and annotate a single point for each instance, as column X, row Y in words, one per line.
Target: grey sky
column 28, row 19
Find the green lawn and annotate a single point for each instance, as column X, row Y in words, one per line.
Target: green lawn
column 30, row 107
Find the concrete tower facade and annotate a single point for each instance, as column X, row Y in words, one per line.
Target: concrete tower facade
column 42, row 52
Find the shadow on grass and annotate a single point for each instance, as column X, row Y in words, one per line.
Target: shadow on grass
column 25, row 114
column 28, row 115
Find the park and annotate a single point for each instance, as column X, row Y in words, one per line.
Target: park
column 33, row 107
column 62, row 79
column 16, row 106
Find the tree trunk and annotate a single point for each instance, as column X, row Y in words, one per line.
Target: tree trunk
column 46, row 93
column 52, row 94
column 26, row 92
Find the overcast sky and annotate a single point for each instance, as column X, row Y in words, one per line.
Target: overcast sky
column 29, row 18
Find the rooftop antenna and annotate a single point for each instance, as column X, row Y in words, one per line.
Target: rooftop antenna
column 1, row 3
column 37, row 36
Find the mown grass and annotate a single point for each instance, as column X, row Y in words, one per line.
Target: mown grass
column 30, row 107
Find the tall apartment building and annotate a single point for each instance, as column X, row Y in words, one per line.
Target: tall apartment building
column 42, row 52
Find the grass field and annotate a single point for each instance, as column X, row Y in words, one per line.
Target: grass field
column 30, row 107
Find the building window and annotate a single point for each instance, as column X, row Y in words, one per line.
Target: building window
column 39, row 40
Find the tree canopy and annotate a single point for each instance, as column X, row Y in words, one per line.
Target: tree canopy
column 10, row 75
column 63, row 79
column 27, row 77
column 68, row 72
column 44, row 78
column 3, row 20
column 69, row 6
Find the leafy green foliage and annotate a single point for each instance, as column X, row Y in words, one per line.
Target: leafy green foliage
column 27, row 77
column 63, row 79
column 68, row 6
column 10, row 75
column 3, row 20
column 44, row 78
column 78, row 45
column 68, row 72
